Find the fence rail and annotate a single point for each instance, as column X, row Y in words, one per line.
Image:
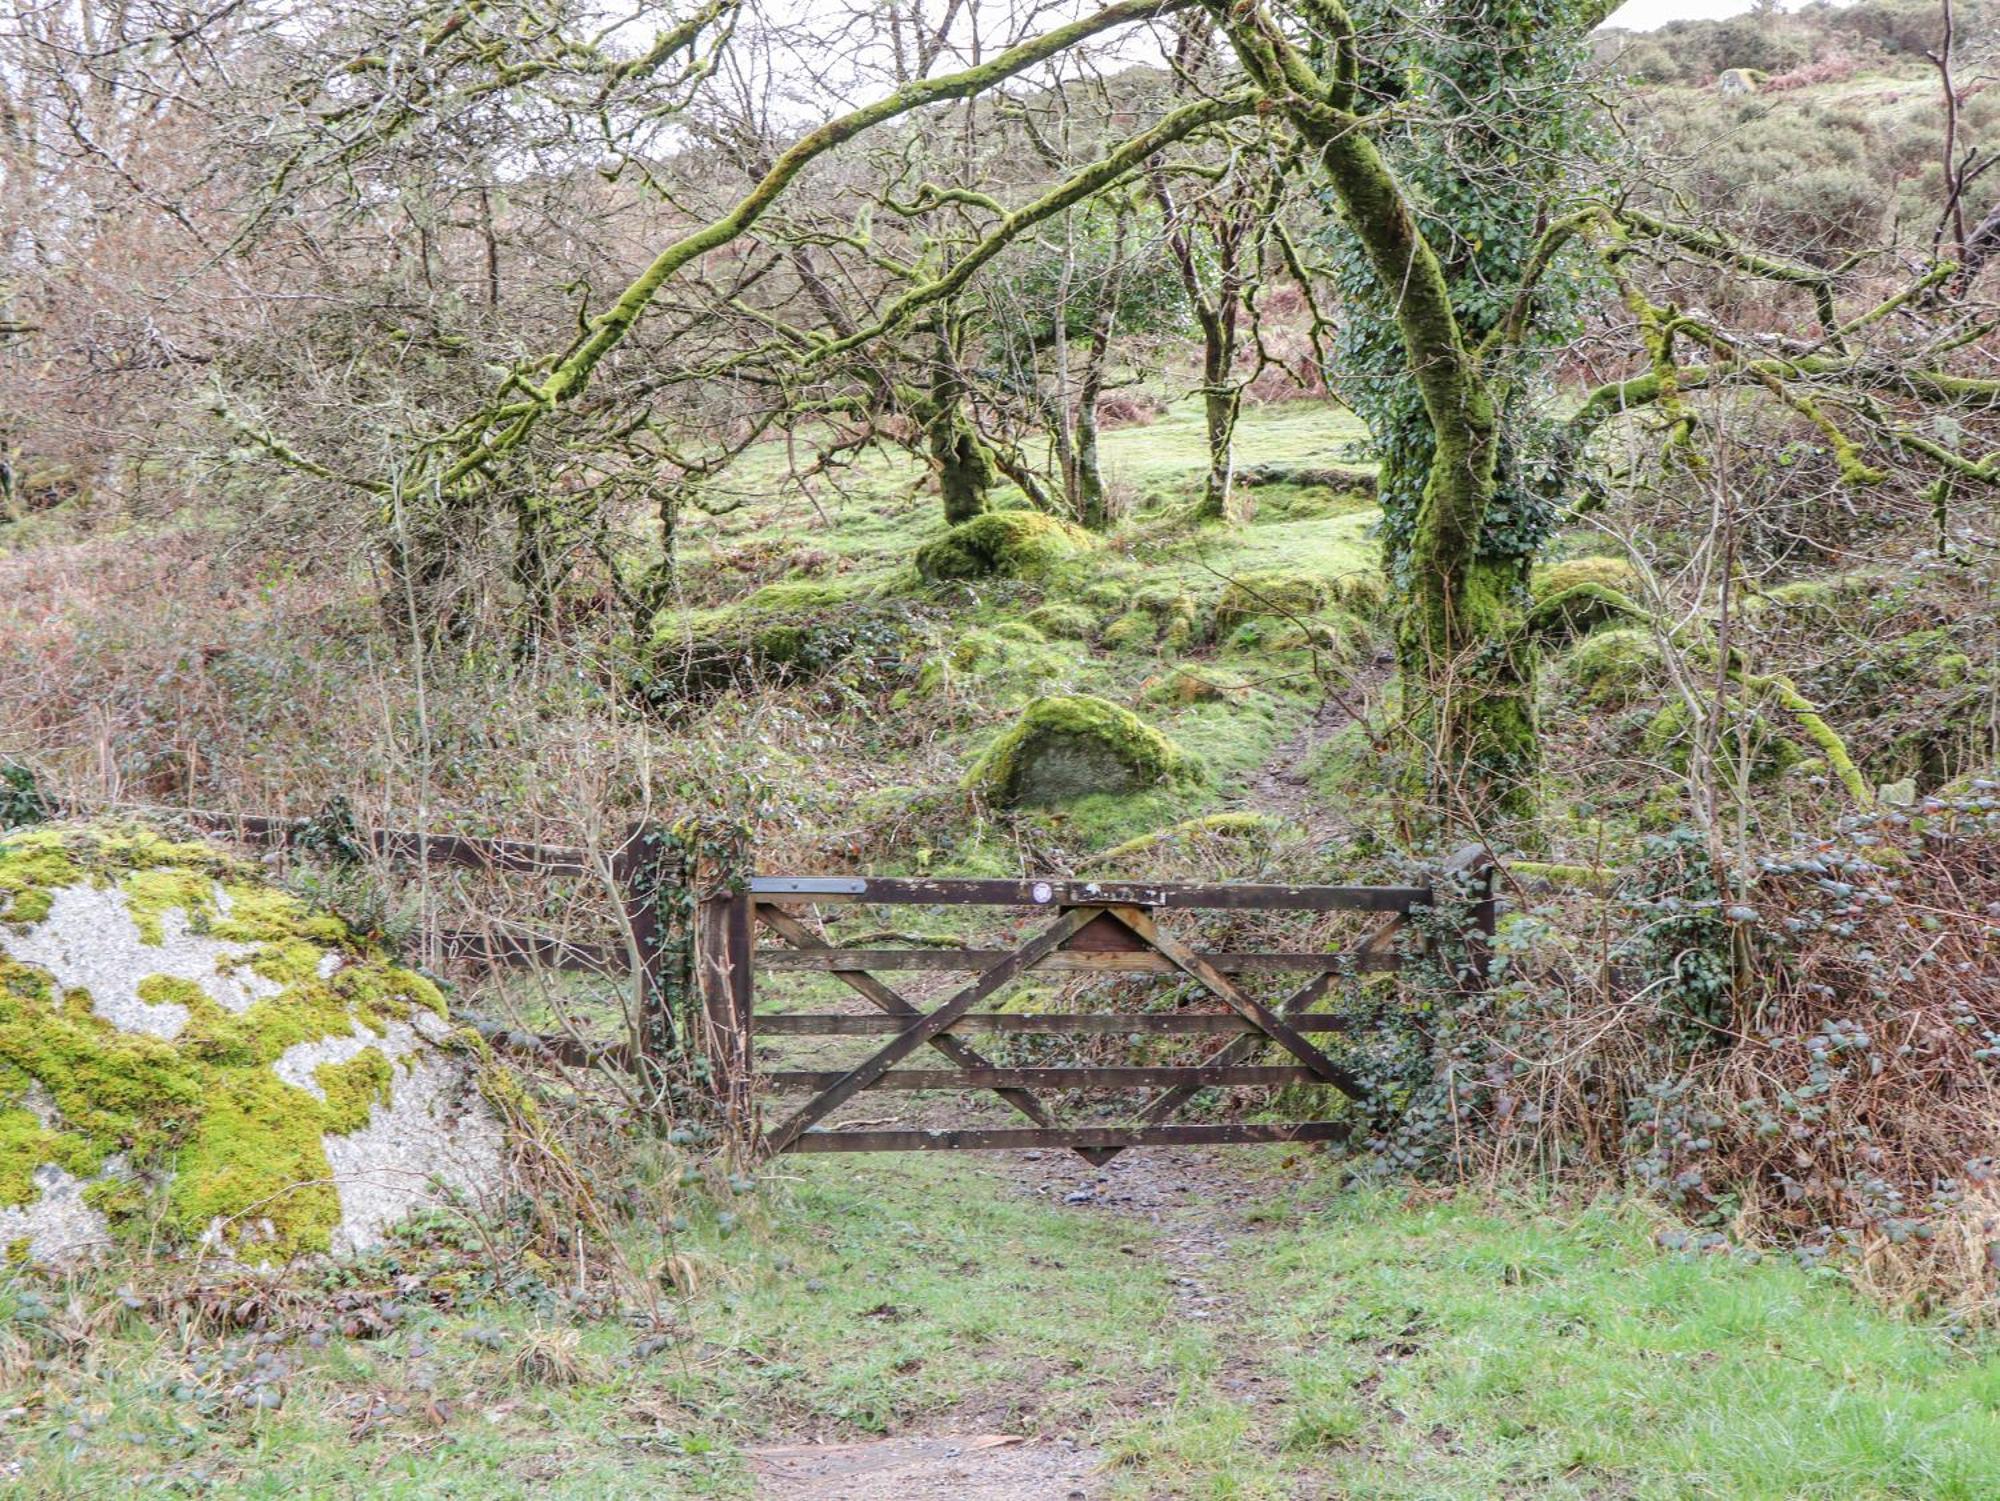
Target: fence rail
column 1098, row 928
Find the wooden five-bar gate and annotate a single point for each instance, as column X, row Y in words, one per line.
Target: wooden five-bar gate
column 1091, row 927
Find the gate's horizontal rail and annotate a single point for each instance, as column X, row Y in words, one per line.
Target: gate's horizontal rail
column 1007, row 1139
column 1197, row 1075
column 1180, row 1023
column 1071, row 961
column 908, row 891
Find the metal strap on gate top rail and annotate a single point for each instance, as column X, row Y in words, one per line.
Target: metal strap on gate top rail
column 921, row 891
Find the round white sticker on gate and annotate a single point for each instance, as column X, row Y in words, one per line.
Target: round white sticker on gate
column 1043, row 891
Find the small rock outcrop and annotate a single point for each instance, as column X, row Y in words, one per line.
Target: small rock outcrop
column 191, row 1059
column 1068, row 747
column 1002, row 544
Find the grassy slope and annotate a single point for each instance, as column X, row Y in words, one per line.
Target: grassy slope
column 1373, row 1347
column 861, row 526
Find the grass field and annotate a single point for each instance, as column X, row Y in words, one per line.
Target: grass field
column 1242, row 1327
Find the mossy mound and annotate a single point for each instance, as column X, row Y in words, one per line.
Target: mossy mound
column 1004, row 665
column 1579, row 610
column 1002, row 544
column 1612, row 668
column 1067, row 747
column 785, row 632
column 1060, row 622
column 1606, row 573
column 1284, row 596
column 1669, row 738
column 1194, row 833
column 1839, row 597
column 189, row 1057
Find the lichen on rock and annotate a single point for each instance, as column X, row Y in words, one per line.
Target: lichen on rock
column 192, row 1058
column 1068, row 747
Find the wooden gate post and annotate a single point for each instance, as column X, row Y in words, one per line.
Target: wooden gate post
column 643, row 867
column 723, row 973
column 1485, row 918
column 1474, row 864
column 725, row 917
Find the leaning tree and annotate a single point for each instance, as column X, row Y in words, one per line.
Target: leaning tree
column 1449, row 144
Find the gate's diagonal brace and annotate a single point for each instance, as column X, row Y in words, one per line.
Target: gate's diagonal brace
column 1266, row 1020
column 932, row 1024
column 1169, row 1102
column 884, row 998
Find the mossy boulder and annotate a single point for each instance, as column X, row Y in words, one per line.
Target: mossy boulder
column 785, row 632
column 1002, row 544
column 1061, row 622
column 1067, row 747
column 190, row 1058
column 1283, row 596
column 1669, row 738
column 1133, row 631
column 1612, row 668
column 1579, row 610
column 1606, row 573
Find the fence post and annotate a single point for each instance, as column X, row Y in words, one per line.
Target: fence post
column 723, row 973
column 1474, row 864
column 1485, row 918
column 640, row 870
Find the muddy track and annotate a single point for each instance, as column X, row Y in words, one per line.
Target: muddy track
column 1281, row 788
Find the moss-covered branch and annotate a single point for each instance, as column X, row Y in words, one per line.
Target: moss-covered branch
column 506, row 423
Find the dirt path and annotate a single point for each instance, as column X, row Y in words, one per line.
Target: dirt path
column 1280, row 786
column 1196, row 1203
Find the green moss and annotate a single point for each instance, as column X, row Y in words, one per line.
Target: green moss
column 1175, row 613
column 1019, row 630
column 1841, row 596
column 1668, row 737
column 1063, row 622
column 1002, row 544
column 1068, row 747
column 1580, row 609
column 1004, row 667
column 1187, row 685
column 1269, row 595
column 1612, row 668
column 205, row 1111
column 24, row 1146
column 1335, row 634
column 1134, row 631
column 355, row 1088
column 1606, row 573
column 1246, row 826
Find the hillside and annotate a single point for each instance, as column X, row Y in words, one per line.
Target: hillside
column 1505, row 514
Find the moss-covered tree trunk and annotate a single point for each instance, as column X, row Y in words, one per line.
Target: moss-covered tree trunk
column 1093, row 507
column 1459, row 557
column 964, row 467
column 1437, row 347
column 1220, row 402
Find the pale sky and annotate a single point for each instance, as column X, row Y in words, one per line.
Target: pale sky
column 1645, row 15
